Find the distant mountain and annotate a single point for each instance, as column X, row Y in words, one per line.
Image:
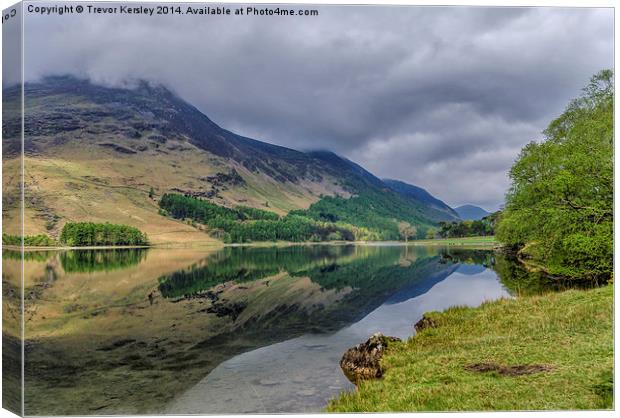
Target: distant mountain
column 471, row 212
column 98, row 153
column 436, row 209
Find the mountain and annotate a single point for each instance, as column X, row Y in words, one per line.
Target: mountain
column 471, row 212
column 435, row 208
column 106, row 154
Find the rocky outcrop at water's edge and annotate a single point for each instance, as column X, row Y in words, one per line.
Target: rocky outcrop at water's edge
column 363, row 361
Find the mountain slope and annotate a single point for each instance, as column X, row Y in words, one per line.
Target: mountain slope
column 471, row 212
column 435, row 208
column 94, row 153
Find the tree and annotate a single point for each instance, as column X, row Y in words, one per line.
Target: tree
column 559, row 208
column 407, row 230
column 151, row 193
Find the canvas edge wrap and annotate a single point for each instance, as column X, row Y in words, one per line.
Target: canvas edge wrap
column 12, row 213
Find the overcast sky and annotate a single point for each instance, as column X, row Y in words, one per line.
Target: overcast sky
column 443, row 98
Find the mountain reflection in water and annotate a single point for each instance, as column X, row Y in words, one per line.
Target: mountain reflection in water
column 241, row 329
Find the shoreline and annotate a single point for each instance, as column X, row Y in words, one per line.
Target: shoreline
column 486, row 243
column 467, row 352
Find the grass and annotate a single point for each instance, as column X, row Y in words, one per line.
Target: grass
column 568, row 333
column 457, row 241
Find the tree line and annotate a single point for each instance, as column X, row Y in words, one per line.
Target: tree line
column 244, row 224
column 460, row 229
column 182, row 207
column 29, row 240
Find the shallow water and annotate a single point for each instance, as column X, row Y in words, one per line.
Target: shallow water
column 235, row 330
column 301, row 374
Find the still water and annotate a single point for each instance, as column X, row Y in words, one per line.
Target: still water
column 235, row 330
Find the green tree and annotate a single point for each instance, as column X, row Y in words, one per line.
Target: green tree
column 559, row 208
column 407, row 230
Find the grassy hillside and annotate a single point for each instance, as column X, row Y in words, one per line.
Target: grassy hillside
column 383, row 215
column 101, row 154
column 552, row 351
column 96, row 173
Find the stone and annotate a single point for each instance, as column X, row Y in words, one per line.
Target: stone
column 424, row 323
column 363, row 361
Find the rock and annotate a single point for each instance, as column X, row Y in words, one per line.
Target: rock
column 425, row 322
column 221, row 179
column 363, row 361
column 225, row 308
column 117, row 148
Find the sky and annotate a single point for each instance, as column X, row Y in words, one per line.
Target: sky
column 440, row 97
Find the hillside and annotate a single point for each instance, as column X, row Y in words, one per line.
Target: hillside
column 471, row 212
column 93, row 153
column 434, row 208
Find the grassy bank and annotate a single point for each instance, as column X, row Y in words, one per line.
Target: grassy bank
column 568, row 335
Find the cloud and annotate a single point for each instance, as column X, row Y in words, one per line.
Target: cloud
column 441, row 97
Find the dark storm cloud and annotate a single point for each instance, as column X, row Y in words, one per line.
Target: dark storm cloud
column 440, row 97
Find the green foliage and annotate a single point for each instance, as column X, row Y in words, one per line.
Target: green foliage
column 459, row 229
column 378, row 215
column 29, row 240
column 370, row 216
column 291, row 228
column 246, row 212
column 245, row 224
column 182, row 207
column 560, row 205
column 83, row 234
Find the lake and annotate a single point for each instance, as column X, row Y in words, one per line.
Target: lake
column 241, row 329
